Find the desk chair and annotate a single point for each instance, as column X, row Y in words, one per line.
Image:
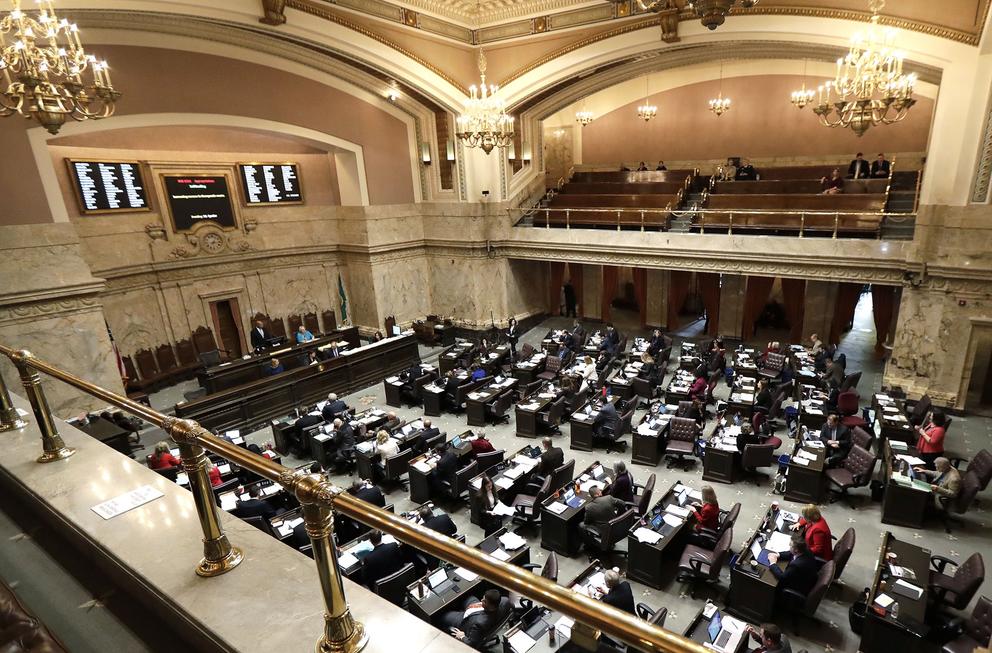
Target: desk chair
column 773, row 365
column 453, row 490
column 862, row 438
column 974, row 632
column 263, row 525
column 210, row 358
column 492, row 638
column 528, row 506
column 501, row 408
column 856, row 471
column 552, row 364
column 654, row 617
column 699, row 565
column 807, row 605
column 980, row 464
column 850, row 381
column 601, row 545
column 644, row 389
column 642, row 495
column 489, row 459
column 395, row 466
column 550, row 568
column 707, row 538
column 842, row 552
column 612, row 438
column 168, row 472
column 957, row 590
column 970, row 485
column 758, row 455
column 552, row 419
column 919, row 410
column 393, row 587
column 848, row 406
column 563, row 475
column 682, row 433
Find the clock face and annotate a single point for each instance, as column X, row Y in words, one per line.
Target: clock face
column 212, row 242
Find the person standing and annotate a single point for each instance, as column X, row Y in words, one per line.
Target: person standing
column 259, row 336
column 512, row 335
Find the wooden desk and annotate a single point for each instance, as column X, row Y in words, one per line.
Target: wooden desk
column 645, row 559
column 254, row 404
column 560, row 532
column 720, row 465
column 422, row 466
column 528, row 411
column 650, row 440
column 292, row 356
column 493, row 547
column 479, row 403
column 109, row 433
column 394, row 391
column 905, row 502
column 581, row 431
column 752, row 584
column 455, row 356
column 697, row 631
column 891, row 416
column 528, row 370
column 807, row 483
column 906, row 633
column 433, row 605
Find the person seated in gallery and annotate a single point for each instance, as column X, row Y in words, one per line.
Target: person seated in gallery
column 858, row 168
column 833, row 185
column 642, row 167
column 275, row 367
column 746, row 172
column 661, row 166
column 880, row 167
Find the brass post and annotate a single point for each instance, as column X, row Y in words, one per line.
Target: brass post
column 642, row 221
column 836, row 224
column 342, row 633
column 802, row 223
column 10, row 420
column 618, row 219
column 218, row 555
column 730, row 225
column 568, row 223
column 53, row 446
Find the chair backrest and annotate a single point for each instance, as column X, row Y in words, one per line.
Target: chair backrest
column 921, row 409
column 842, row 551
column 625, row 421
column 168, row 472
column 146, row 363
column 462, row 478
column 503, row 403
column 557, row 410
column 850, row 381
column 776, row 408
column 649, row 484
column 210, row 358
column 203, row 339
column 488, row 459
column 398, row 464
column 860, row 463
column 619, row 526
column 261, row 524
column 683, row 408
column 394, row 586
column 968, row 578
column 658, row 618
column 552, row 364
column 185, row 352
column 563, row 474
column 330, row 321
column 224, row 487
column 847, row 402
column 970, row 486
column 542, row 493
column 721, row 552
column 682, row 428
column 774, row 361
column 642, row 387
column 758, row 455
column 310, row 322
column 981, row 464
column 861, row 437
column 823, row 580
column 550, row 569
column 295, row 322
column 731, row 517
column 527, row 351
column 277, row 327
column 165, row 358
column 979, row 625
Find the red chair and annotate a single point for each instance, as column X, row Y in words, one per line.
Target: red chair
column 758, row 421
column 848, row 407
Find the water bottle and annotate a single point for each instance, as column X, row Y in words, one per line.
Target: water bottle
column 895, row 610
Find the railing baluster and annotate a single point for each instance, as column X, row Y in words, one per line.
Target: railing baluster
column 10, row 420
column 802, row 223
column 568, row 223
column 836, row 223
column 730, row 225
column 642, row 220
column 53, row 448
column 547, row 218
column 702, row 221
column 618, row 219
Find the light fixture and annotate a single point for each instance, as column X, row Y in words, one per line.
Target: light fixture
column 647, row 111
column 720, row 105
column 869, row 87
column 583, row 117
column 803, row 96
column 44, row 69
column 485, row 123
column 392, row 94
column 712, row 13
column 425, row 153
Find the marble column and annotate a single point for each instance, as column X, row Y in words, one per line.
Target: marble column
column 657, row 297
column 50, row 305
column 821, row 297
column 732, row 288
column 592, row 289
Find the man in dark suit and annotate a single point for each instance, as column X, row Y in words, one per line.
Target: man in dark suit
column 333, row 408
column 326, row 353
column 880, row 167
column 477, row 620
column 551, row 458
column 440, row 523
column 837, row 438
column 301, row 425
column 345, row 528
column 254, row 506
column 451, row 385
column 858, row 168
column 834, row 376
column 368, row 493
column 600, row 510
column 618, row 592
column 801, row 572
column 344, row 440
column 259, row 336
column 606, row 419
column 445, row 469
column 611, row 340
column 746, row 172
column 429, row 430
column 383, row 560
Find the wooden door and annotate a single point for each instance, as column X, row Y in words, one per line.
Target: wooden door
column 227, row 326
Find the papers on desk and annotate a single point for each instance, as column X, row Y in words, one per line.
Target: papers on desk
column 910, row 591
column 514, row 472
column 647, row 535
column 557, row 507
column 473, row 395
column 745, row 397
column 465, row 574
column 287, row 526
column 269, row 490
column 503, row 509
column 564, row 627
column 814, row 444
column 529, row 406
column 346, row 561
column 121, row 504
column 801, row 461
column 673, row 520
column 500, row 554
column 520, row 642
column 890, row 409
column 232, row 435
column 678, row 511
column 228, row 501
column 182, row 478
column 645, row 429
column 422, row 466
column 902, row 572
column 224, row 468
column 590, row 484
column 898, row 445
column 884, row 601
column 912, row 460
column 323, row 437
column 511, row 541
column 806, row 455
column 525, row 461
column 366, row 447
column 779, row 542
column 504, row 482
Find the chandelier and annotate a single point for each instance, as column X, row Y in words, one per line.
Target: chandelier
column 43, row 65
column 803, row 96
column 869, row 87
column 647, row 111
column 583, row 117
column 712, row 13
column 720, row 105
column 485, row 122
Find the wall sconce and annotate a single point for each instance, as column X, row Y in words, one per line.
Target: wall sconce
column 511, row 152
column 526, row 154
column 449, row 147
column 392, row 95
column 425, row 154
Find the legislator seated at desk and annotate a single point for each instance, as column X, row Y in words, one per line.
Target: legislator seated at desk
column 623, row 483
column 254, row 506
column 607, row 421
column 444, row 471
column 770, row 639
column 303, row 335
column 618, row 593
column 384, row 559
column 800, row 573
column 600, row 510
column 162, row 457
column 837, row 438
column 334, row 408
column 436, row 520
column 346, row 528
column 815, row 532
column 551, row 458
column 480, row 444
column 706, row 513
column 945, row 481
column 275, row 367
column 474, row 621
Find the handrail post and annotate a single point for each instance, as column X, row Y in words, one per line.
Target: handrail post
column 730, row 225
column 10, row 420
column 836, row 223
column 53, row 448
column 702, row 221
column 802, row 223
column 642, row 220
column 568, row 217
column 547, row 218
column 219, row 556
column 342, row 633
column 618, row 219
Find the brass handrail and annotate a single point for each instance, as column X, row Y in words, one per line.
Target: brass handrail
column 318, row 497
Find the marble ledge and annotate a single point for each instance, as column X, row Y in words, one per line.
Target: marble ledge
column 159, row 543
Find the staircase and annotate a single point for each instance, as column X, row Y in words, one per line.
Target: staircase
column 902, row 199
column 684, row 224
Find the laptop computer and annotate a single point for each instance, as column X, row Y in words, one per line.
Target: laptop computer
column 719, row 636
column 572, row 500
column 439, row 580
column 456, row 441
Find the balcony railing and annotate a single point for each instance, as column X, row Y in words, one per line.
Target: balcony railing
column 318, row 498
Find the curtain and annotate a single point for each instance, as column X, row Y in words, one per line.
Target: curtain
column 611, row 275
column 709, row 289
column 575, row 274
column 883, row 300
column 755, row 298
column 640, row 277
column 678, row 290
column 556, row 276
column 848, row 295
column 794, row 292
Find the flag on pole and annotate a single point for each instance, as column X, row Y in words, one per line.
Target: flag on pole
column 343, row 297
column 117, row 353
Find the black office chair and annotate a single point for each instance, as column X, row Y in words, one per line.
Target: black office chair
column 563, row 475
column 168, row 472
column 549, row 569
column 612, row 438
column 601, row 545
column 500, row 412
column 552, row 418
column 708, row 538
column 453, row 490
column 489, row 459
column 261, row 524
column 395, row 467
column 393, row 587
column 528, row 506
column 642, row 495
column 654, row 617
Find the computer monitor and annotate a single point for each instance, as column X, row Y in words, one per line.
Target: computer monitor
column 597, row 471
column 716, row 625
column 656, row 522
column 439, row 576
column 456, row 441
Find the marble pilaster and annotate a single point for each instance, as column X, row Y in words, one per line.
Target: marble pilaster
column 731, row 305
column 592, row 289
column 657, row 311
column 821, row 297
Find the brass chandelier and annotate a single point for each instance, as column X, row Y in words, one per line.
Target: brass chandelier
column 713, row 13
column 803, row 96
column 647, row 111
column 46, row 73
column 485, row 123
column 869, row 87
column 720, row 105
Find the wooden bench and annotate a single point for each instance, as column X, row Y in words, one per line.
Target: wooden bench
column 619, row 188
column 798, row 202
column 798, row 172
column 801, row 186
column 613, row 201
column 847, row 224
column 631, row 177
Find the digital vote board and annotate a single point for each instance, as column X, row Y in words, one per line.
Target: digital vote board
column 194, row 199
column 270, row 183
column 108, row 186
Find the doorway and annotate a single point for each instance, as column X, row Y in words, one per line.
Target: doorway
column 227, row 325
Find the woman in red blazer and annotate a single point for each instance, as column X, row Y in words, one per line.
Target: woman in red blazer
column 816, row 532
column 707, row 513
column 930, row 446
column 162, row 458
column 214, row 474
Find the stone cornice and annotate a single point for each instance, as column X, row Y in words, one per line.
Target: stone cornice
column 68, row 293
